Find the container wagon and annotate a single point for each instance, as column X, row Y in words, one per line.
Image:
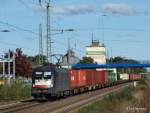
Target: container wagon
column 112, row 77
column 124, row 76
column 135, row 77
column 51, row 81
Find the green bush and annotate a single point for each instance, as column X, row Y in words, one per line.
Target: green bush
column 111, row 97
column 142, row 82
column 126, row 94
column 15, row 91
column 112, row 103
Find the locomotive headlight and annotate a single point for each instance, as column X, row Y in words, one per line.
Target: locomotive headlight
column 36, row 81
column 33, row 85
column 50, row 82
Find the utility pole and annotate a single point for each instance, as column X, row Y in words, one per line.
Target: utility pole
column 92, row 37
column 48, row 31
column 9, row 64
column 69, row 44
column 14, row 65
column 49, row 52
column 3, row 66
column 40, row 45
column 68, row 57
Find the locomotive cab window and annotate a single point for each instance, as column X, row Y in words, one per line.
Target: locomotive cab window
column 38, row 75
column 48, row 75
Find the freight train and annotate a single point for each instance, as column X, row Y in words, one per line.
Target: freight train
column 50, row 81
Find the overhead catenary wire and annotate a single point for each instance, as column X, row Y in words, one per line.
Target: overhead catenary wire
column 82, row 29
column 113, row 29
column 28, row 6
column 76, row 30
column 30, row 31
column 19, row 28
column 16, row 45
column 24, row 4
column 64, row 45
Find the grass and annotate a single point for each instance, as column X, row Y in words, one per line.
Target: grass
column 14, row 91
column 112, row 103
column 129, row 97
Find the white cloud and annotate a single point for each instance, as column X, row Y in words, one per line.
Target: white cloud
column 120, row 9
column 111, row 8
column 74, row 9
column 70, row 9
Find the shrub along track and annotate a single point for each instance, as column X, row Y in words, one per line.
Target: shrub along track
column 72, row 108
column 64, row 105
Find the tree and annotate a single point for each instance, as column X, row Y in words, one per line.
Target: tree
column 117, row 59
column 122, row 60
column 35, row 59
column 87, row 60
column 22, row 65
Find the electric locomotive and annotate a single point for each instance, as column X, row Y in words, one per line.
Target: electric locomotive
column 49, row 81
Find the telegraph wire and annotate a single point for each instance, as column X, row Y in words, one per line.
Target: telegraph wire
column 113, row 29
column 24, row 4
column 64, row 44
column 19, row 28
column 16, row 45
column 82, row 29
column 27, row 6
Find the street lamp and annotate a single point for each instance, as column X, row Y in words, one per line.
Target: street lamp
column 61, row 31
column 5, row 30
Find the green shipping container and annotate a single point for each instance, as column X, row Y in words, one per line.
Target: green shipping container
column 112, row 77
column 118, row 76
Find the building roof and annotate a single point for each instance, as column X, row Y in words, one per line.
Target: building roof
column 95, row 66
column 69, row 58
column 96, row 43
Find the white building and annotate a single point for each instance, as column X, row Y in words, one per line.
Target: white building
column 97, row 52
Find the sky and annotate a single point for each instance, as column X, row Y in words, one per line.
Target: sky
column 123, row 25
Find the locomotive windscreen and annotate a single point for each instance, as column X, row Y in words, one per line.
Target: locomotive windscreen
column 47, row 75
column 38, row 75
column 43, row 77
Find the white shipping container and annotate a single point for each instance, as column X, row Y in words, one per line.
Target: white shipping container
column 124, row 76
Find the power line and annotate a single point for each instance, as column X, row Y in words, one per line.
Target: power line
column 16, row 27
column 82, row 29
column 113, row 29
column 19, row 28
column 27, row 6
column 32, row 32
column 24, row 4
column 64, row 44
column 16, row 45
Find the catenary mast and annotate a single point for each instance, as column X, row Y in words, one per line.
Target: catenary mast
column 40, row 45
column 49, row 52
column 48, row 31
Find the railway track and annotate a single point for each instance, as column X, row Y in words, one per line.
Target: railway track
column 66, row 105
column 19, row 106
column 72, row 108
column 72, row 103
